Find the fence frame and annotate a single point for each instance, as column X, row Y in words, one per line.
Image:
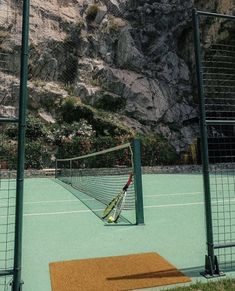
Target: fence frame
column 211, row 262
column 21, row 122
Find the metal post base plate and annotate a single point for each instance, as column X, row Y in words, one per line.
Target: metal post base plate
column 211, row 270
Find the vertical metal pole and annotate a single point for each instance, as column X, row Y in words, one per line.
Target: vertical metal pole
column 56, row 165
column 70, row 166
column 138, row 182
column 204, row 142
column 21, row 149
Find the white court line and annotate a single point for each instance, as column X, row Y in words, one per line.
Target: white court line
column 87, row 210
column 88, row 199
column 174, row 205
column 53, row 213
column 50, row 201
column 188, row 204
column 57, row 201
column 150, row 206
column 174, row 194
column 62, row 212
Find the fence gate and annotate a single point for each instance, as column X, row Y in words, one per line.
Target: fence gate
column 13, row 83
column 214, row 36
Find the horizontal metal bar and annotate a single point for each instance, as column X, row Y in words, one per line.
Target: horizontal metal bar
column 225, row 93
column 223, row 246
column 222, row 143
column 218, row 62
column 220, row 74
column 219, row 108
column 219, row 80
column 219, row 157
column 6, row 273
column 219, row 86
column 220, row 68
column 217, row 58
column 222, row 45
column 211, row 14
column 217, row 99
column 222, row 150
column 6, row 120
column 221, row 50
column 220, row 122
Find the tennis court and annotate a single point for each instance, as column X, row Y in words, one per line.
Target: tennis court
column 58, row 227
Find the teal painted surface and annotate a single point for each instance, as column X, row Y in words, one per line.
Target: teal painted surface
column 59, row 227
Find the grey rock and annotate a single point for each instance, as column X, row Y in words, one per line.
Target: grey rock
column 128, row 55
column 147, row 60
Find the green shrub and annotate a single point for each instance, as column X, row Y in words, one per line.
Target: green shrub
column 35, row 144
column 80, row 24
column 35, row 128
column 11, row 132
column 115, row 25
column 111, row 102
column 156, row 150
column 91, row 12
column 106, row 127
column 69, row 103
column 72, row 111
column 35, row 153
column 8, row 152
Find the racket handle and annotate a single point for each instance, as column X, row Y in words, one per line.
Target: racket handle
column 128, row 183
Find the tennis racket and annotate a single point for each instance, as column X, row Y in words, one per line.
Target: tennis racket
column 117, row 202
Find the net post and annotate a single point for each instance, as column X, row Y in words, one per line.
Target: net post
column 138, row 181
column 70, row 170
column 17, row 282
column 56, row 169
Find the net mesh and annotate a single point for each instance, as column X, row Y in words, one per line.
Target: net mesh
column 7, row 225
column 99, row 177
column 218, row 64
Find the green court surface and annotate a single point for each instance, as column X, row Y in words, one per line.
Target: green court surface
column 58, row 226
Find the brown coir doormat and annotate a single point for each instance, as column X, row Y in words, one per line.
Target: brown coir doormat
column 114, row 273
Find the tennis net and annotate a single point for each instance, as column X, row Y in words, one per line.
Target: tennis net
column 97, row 178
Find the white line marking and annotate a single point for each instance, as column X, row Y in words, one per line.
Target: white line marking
column 174, row 205
column 226, row 202
column 150, row 206
column 63, row 212
column 86, row 199
column 96, row 210
column 57, row 201
column 50, row 201
column 89, row 199
column 174, row 194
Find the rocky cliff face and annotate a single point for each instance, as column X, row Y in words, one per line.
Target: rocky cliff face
column 133, row 58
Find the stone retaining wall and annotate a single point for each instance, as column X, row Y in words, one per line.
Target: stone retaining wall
column 176, row 169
